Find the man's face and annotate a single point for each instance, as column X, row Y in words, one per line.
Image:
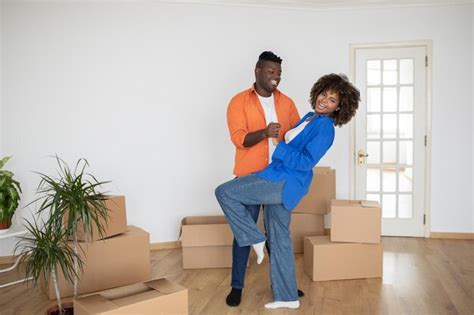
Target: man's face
column 268, row 76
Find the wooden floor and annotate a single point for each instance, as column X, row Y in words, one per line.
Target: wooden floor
column 421, row 276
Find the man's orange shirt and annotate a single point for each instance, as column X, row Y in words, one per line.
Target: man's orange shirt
column 244, row 115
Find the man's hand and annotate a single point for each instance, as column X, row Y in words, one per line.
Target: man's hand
column 252, row 138
column 272, row 130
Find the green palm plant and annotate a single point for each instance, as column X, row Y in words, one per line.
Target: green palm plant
column 73, row 201
column 9, row 194
column 45, row 250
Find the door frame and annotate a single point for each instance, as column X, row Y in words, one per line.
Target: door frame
column 428, row 45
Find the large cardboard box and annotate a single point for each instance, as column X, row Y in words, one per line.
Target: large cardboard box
column 321, row 192
column 326, row 260
column 302, row 225
column 206, row 242
column 116, row 261
column 116, row 222
column 355, row 221
column 158, row 296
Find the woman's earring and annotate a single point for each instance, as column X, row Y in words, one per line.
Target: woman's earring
column 337, row 109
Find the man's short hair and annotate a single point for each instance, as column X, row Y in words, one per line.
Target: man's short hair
column 268, row 56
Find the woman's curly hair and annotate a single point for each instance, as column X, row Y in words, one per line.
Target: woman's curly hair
column 349, row 96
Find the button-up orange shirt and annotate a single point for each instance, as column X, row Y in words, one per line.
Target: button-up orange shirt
column 244, row 115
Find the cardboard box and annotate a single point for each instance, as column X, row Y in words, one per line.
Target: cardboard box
column 158, row 296
column 302, row 225
column 355, row 221
column 321, row 192
column 117, row 261
column 325, row 260
column 116, row 222
column 206, row 242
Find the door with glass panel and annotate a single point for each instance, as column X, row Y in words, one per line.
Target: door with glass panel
column 390, row 135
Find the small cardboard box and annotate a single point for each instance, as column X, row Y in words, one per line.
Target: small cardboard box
column 302, row 225
column 158, row 296
column 206, row 242
column 109, row 263
column 116, row 222
column 321, row 192
column 355, row 221
column 325, row 260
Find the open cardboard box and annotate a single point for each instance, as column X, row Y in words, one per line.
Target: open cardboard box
column 158, row 296
column 206, row 242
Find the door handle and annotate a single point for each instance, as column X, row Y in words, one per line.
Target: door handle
column 361, row 156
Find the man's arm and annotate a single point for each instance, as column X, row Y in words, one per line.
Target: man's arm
column 252, row 138
column 239, row 133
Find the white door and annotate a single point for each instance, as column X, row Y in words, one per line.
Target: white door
column 390, row 135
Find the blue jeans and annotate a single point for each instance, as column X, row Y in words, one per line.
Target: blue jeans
column 240, row 255
column 233, row 198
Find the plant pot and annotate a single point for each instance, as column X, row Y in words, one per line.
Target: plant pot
column 4, row 227
column 68, row 309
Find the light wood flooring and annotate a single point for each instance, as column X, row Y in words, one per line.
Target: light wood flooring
column 421, row 276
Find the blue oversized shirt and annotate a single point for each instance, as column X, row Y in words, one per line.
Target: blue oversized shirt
column 294, row 162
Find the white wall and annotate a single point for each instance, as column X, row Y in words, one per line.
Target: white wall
column 472, row 110
column 140, row 89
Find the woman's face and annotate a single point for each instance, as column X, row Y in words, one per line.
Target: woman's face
column 327, row 102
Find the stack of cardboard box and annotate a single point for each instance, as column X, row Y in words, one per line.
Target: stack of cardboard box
column 207, row 240
column 307, row 219
column 353, row 250
column 120, row 257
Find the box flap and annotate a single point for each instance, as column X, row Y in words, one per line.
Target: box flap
column 322, row 239
column 342, row 203
column 164, row 286
column 369, row 204
column 322, row 169
column 96, row 304
column 205, row 231
column 200, row 220
column 137, row 298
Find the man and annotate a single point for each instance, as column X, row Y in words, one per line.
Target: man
column 256, row 116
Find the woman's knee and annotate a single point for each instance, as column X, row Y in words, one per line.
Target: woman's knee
column 221, row 191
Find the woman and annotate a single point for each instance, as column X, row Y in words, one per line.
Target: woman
column 282, row 184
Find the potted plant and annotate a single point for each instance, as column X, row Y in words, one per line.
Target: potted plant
column 9, row 196
column 43, row 252
column 72, row 201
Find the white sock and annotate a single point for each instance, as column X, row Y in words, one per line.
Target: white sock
column 258, row 248
column 279, row 304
